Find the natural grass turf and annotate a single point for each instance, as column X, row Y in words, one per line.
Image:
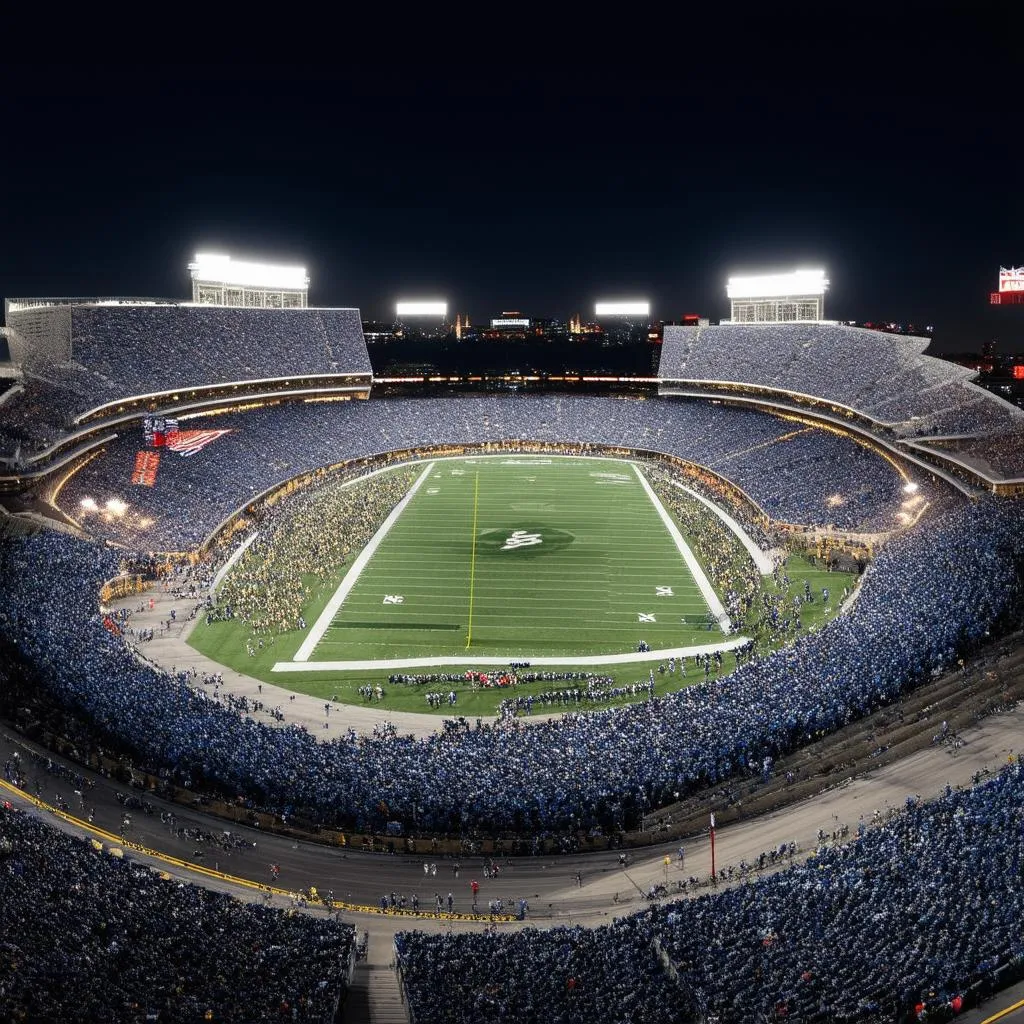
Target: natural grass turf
column 579, row 595
column 466, row 588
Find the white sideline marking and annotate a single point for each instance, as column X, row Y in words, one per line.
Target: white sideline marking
column 437, row 662
column 765, row 566
column 235, row 556
column 315, row 635
column 703, row 584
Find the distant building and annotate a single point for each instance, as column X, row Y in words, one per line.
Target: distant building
column 376, row 332
column 513, row 325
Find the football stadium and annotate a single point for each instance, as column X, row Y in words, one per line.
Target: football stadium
column 283, row 638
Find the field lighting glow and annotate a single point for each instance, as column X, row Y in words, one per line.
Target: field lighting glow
column 622, row 308
column 217, row 268
column 89, row 504
column 421, row 308
column 116, row 507
column 766, row 286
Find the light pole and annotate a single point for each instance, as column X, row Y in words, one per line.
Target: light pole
column 713, row 845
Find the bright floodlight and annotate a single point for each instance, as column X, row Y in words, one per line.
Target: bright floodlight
column 622, row 308
column 764, row 286
column 89, row 504
column 910, row 487
column 422, row 308
column 215, row 268
column 116, row 506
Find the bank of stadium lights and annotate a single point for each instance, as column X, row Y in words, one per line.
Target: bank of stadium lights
column 767, row 286
column 217, row 268
column 115, row 508
column 910, row 487
column 421, row 308
column 622, row 309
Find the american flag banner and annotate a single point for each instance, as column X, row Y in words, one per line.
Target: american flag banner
column 188, row 442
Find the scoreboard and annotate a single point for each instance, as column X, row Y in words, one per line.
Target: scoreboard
column 1011, row 287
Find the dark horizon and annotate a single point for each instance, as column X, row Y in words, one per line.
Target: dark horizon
column 541, row 191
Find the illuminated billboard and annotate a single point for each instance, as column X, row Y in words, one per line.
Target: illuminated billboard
column 419, row 308
column 1011, row 279
column 766, row 286
column 622, row 309
column 510, row 321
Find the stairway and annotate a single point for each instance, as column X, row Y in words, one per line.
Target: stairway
column 375, row 996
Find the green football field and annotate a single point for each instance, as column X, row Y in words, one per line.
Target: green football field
column 520, row 557
column 505, row 558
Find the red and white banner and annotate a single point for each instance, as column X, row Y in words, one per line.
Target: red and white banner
column 146, row 465
column 188, row 442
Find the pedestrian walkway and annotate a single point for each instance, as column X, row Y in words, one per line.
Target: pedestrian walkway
column 376, row 993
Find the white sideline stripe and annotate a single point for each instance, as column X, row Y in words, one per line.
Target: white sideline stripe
column 438, row 662
column 235, row 556
column 703, row 583
column 765, row 566
column 337, row 599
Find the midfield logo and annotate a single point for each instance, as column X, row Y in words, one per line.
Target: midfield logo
column 521, row 539
column 393, row 599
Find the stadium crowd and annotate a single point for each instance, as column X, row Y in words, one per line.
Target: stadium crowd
column 716, row 547
column 559, row 976
column 174, row 346
column 299, row 541
column 930, row 596
column 89, row 936
column 915, row 919
column 884, row 375
column 792, row 474
column 1002, row 454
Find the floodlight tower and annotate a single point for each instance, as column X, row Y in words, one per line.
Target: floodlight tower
column 218, row 280
column 426, row 318
column 623, row 320
column 778, row 298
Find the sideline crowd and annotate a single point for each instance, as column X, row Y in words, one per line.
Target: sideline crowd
column 299, row 542
column 930, row 596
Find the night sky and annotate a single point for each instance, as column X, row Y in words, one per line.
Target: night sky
column 894, row 165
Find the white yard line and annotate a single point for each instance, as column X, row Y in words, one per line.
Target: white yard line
column 703, row 583
column 765, row 566
column 434, row 662
column 337, row 599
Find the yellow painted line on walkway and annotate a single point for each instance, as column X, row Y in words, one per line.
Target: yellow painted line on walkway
column 116, row 842
column 1002, row 1013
